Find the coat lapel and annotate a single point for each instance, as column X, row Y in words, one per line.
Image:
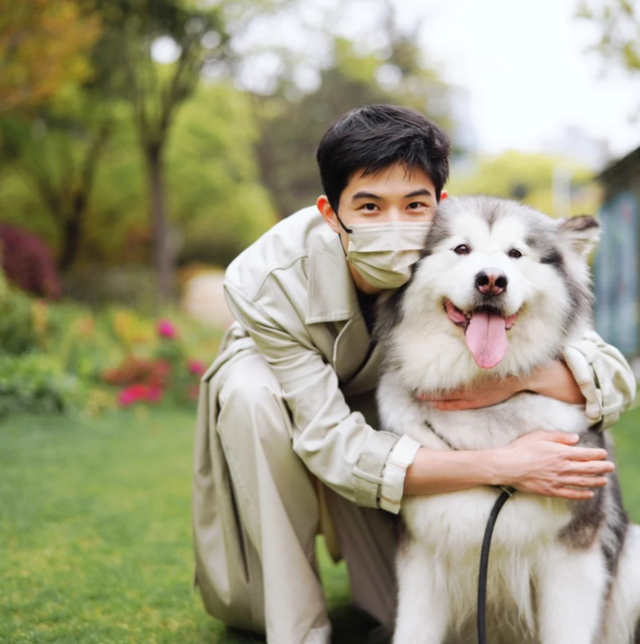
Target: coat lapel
column 333, row 299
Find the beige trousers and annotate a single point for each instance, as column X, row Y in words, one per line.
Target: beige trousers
column 256, row 514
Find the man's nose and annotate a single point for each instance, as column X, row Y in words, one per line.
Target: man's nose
column 394, row 215
column 491, row 282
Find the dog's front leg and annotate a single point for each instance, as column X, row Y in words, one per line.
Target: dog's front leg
column 423, row 605
column 571, row 589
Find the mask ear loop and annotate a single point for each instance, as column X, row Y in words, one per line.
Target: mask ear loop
column 346, row 230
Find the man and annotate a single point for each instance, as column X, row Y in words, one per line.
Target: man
column 286, row 443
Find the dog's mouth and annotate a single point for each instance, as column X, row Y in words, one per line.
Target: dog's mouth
column 485, row 331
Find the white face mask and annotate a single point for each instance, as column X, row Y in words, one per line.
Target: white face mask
column 384, row 253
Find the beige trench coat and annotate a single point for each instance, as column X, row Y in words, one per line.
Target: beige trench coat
column 296, row 304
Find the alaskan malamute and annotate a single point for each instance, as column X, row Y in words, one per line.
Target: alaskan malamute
column 499, row 289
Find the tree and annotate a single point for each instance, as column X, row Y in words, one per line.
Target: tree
column 619, row 24
column 292, row 121
column 528, row 178
column 217, row 202
column 43, row 49
column 57, row 155
column 194, row 35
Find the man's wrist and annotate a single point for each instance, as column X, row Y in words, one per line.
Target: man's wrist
column 494, row 458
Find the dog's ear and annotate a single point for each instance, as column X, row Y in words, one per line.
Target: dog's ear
column 580, row 233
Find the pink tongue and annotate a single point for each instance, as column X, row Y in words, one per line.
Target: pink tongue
column 486, row 338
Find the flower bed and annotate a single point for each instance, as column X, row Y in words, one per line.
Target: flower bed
column 59, row 357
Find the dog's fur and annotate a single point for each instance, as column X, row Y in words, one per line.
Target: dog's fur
column 560, row 572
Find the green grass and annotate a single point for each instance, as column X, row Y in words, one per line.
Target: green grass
column 95, row 532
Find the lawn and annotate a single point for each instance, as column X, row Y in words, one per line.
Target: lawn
column 95, row 534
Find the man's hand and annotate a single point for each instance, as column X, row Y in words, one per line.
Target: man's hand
column 548, row 463
column 554, row 380
column 490, row 392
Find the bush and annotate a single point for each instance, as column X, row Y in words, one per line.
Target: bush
column 35, row 383
column 59, row 356
column 30, row 264
column 18, row 328
column 166, row 372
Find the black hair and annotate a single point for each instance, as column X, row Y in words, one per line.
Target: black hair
column 375, row 137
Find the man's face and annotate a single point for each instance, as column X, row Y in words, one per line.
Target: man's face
column 395, row 194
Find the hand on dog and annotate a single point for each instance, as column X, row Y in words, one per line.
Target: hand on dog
column 490, row 392
column 554, row 380
column 550, row 464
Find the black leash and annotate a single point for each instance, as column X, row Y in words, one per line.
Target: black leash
column 507, row 493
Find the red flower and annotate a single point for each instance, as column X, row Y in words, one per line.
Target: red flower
column 196, row 367
column 137, row 393
column 166, row 329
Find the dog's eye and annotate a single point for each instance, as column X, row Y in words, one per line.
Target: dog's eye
column 515, row 253
column 463, row 249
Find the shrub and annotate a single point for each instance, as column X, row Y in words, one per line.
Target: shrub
column 166, row 372
column 28, row 262
column 35, row 383
column 18, row 330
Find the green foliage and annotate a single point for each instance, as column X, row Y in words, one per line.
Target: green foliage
column 217, row 203
column 36, row 383
column 526, row 177
column 51, row 165
column 43, row 50
column 618, row 22
column 217, row 200
column 291, row 126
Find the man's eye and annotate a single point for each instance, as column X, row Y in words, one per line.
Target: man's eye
column 462, row 249
column 370, row 207
column 415, row 205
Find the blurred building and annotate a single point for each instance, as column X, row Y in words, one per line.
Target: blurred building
column 617, row 265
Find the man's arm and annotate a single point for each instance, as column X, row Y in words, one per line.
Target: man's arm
column 540, row 462
column 335, row 443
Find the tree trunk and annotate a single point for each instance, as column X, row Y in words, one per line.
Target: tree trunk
column 71, row 234
column 72, row 231
column 161, row 250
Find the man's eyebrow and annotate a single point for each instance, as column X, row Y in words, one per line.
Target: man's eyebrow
column 365, row 195
column 423, row 192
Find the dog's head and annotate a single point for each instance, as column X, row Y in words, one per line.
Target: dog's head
column 496, row 274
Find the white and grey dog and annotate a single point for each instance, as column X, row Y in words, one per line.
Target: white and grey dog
column 500, row 289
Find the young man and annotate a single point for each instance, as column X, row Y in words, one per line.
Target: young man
column 286, row 443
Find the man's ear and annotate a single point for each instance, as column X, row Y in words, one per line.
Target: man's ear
column 443, row 195
column 328, row 213
column 581, row 233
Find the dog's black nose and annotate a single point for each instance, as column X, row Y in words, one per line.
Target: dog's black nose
column 491, row 282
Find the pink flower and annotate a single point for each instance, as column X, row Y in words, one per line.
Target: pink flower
column 131, row 395
column 196, row 367
column 136, row 393
column 166, row 329
column 154, row 393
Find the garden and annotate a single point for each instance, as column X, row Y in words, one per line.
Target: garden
column 98, row 412
column 143, row 143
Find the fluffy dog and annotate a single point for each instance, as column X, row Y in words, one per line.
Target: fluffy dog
column 499, row 289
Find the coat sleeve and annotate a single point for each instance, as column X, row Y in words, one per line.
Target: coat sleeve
column 335, row 443
column 604, row 377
